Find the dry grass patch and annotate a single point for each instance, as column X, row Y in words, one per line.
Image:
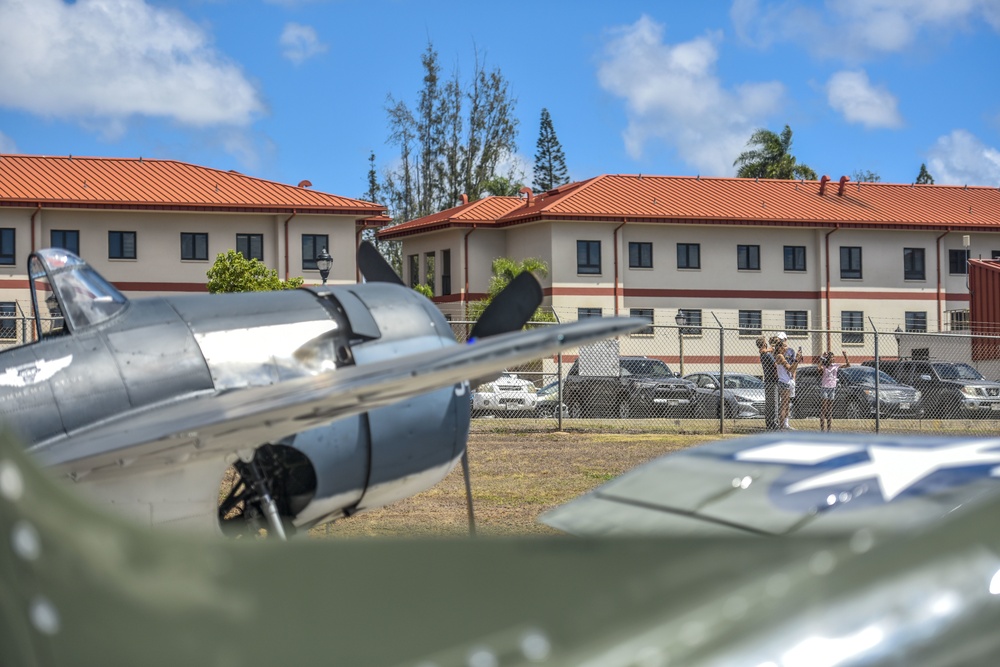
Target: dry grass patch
column 515, row 478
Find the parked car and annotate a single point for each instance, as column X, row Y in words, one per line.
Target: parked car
column 856, row 395
column 507, row 395
column 950, row 390
column 744, row 395
column 547, row 405
column 632, row 387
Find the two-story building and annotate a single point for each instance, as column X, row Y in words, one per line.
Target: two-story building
column 156, row 226
column 758, row 254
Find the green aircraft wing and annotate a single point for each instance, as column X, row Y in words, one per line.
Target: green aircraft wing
column 78, row 587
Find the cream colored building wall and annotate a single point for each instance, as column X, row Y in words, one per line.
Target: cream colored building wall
column 533, row 240
column 158, row 252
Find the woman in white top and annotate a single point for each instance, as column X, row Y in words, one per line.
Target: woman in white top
column 786, row 378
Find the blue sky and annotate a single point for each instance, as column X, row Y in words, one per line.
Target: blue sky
column 296, row 89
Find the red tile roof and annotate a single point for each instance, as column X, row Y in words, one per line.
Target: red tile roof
column 682, row 199
column 140, row 183
column 478, row 213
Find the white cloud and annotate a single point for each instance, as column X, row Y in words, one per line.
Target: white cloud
column 960, row 158
column 857, row 29
column 105, row 61
column 300, row 42
column 673, row 94
column 853, row 95
column 7, row 144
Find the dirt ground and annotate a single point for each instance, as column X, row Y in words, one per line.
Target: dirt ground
column 515, row 477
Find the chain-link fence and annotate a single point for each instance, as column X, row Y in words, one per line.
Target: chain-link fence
column 668, row 379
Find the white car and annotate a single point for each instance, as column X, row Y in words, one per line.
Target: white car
column 508, row 394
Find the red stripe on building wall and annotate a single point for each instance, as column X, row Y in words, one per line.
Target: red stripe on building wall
column 751, row 294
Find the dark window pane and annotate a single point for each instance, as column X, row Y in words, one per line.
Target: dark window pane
column 852, row 320
column 850, row 262
column 692, row 321
column 121, row 245
column 7, row 249
column 796, row 319
column 749, row 322
column 68, row 239
column 640, row 255
column 588, row 257
column 957, row 262
column 312, row 246
column 748, row 257
column 795, row 258
column 913, row 264
column 645, row 313
column 688, row 256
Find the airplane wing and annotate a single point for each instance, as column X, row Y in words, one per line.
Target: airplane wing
column 787, row 483
column 204, row 426
column 81, row 587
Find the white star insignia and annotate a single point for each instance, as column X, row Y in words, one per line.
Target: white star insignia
column 894, row 468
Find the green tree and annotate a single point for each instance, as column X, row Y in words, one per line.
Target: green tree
column 232, row 272
column 453, row 143
column 426, row 290
column 505, row 270
column 771, row 157
column 865, row 176
column 924, row 177
column 501, row 186
column 550, row 162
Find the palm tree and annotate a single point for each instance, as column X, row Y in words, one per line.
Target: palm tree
column 504, row 271
column 771, row 157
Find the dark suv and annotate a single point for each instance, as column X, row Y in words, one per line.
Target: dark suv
column 856, row 396
column 642, row 387
column 950, row 390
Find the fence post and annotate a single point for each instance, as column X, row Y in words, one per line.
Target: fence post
column 878, row 396
column 722, row 375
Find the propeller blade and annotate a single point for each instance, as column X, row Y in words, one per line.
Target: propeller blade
column 511, row 309
column 374, row 267
column 468, row 492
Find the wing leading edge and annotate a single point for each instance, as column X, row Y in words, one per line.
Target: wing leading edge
column 201, row 426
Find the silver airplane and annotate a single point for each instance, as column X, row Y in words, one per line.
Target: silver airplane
column 328, row 401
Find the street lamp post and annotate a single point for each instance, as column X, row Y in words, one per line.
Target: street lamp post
column 324, row 263
column 899, row 341
column 681, row 320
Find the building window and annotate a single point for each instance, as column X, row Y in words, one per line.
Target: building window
column 749, row 322
column 748, row 257
column 796, row 320
column 446, row 272
column 640, row 255
column 916, row 322
column 795, row 258
column 958, row 320
column 312, row 246
column 7, row 250
column 194, row 245
column 957, row 262
column 429, row 279
column 121, row 245
column 852, row 320
column 588, row 257
column 413, row 264
column 67, row 239
column 8, row 320
column 913, row 264
column 645, row 313
column 251, row 246
column 584, row 313
column 994, row 254
column 692, row 321
column 850, row 262
column 688, row 255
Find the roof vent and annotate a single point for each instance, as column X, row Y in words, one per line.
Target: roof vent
column 822, row 184
column 843, row 184
column 305, row 184
column 527, row 192
column 465, row 199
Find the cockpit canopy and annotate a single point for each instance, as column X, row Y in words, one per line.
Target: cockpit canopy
column 67, row 294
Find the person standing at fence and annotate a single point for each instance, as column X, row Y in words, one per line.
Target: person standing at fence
column 791, row 358
column 786, row 383
column 769, row 373
column 828, row 387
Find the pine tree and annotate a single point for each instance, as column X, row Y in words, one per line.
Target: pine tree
column 550, row 162
column 372, row 194
column 924, row 177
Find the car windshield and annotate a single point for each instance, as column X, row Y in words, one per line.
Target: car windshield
column 646, row 368
column 957, row 372
column 742, row 382
column 865, row 375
